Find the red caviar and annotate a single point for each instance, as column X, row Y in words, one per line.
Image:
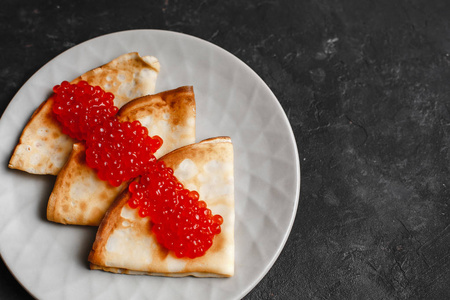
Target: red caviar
column 120, row 151
column 181, row 222
column 79, row 107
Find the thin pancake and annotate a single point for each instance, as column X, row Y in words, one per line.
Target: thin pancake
column 125, row 243
column 79, row 197
column 43, row 148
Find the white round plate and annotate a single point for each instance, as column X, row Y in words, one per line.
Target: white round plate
column 50, row 260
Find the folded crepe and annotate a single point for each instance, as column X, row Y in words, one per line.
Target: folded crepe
column 79, row 197
column 43, row 148
column 125, row 243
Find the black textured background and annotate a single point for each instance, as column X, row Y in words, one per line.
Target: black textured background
column 365, row 85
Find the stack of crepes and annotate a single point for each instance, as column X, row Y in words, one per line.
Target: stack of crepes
column 125, row 242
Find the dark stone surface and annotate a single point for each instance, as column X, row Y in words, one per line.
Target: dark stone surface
column 365, row 85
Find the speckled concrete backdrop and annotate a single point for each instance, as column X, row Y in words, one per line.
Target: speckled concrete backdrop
column 365, row 85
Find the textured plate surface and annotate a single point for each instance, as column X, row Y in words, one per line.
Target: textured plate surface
column 50, row 260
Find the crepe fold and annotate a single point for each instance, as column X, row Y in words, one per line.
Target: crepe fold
column 44, row 149
column 125, row 243
column 79, row 197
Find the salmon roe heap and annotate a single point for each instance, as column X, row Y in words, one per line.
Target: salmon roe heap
column 79, row 107
column 180, row 221
column 120, row 151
